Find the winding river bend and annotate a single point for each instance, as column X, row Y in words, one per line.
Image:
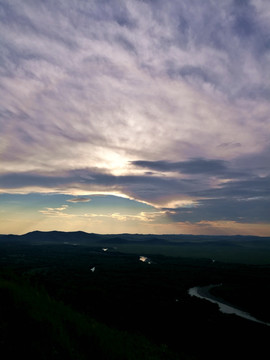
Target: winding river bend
column 202, row 292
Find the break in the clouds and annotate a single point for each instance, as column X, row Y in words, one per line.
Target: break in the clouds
column 166, row 103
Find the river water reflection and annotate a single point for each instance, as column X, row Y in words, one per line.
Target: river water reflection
column 202, row 292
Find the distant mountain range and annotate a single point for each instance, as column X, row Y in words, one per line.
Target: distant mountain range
column 80, row 237
column 240, row 249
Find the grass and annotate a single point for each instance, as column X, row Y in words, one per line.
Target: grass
column 39, row 327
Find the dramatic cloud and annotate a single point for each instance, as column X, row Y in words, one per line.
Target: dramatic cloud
column 164, row 102
column 195, row 166
column 224, row 210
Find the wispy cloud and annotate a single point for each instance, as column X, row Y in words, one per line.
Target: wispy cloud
column 147, row 217
column 55, row 212
column 159, row 101
column 167, row 69
column 79, row 200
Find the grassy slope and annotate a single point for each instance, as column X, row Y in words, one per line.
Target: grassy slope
column 35, row 325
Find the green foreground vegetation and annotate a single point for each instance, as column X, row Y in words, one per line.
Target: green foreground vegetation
column 36, row 326
column 53, row 306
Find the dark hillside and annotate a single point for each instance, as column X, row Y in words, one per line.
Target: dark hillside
column 35, row 325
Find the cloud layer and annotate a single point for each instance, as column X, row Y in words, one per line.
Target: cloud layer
column 163, row 102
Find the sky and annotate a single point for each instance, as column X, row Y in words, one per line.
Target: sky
column 135, row 116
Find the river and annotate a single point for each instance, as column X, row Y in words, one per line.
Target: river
column 202, row 292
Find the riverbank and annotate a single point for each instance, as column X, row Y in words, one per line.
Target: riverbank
column 203, row 292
